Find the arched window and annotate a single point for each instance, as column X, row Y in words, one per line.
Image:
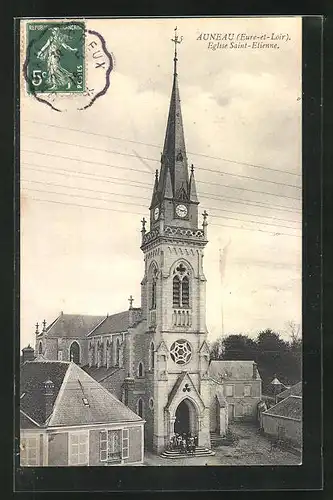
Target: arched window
column 153, row 286
column 74, row 352
column 151, row 361
column 117, row 352
column 153, row 294
column 40, row 348
column 181, row 287
column 140, row 370
column 140, row 407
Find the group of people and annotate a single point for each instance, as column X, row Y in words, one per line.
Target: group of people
column 186, row 443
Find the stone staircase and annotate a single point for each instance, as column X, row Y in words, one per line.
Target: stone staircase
column 215, row 439
column 200, row 451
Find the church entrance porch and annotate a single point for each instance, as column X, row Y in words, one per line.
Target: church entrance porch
column 186, row 418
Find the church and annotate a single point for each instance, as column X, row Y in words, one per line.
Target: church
column 155, row 358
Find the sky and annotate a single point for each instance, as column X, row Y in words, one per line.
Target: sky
column 87, row 176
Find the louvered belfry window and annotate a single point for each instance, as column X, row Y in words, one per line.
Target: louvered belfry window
column 181, row 287
column 176, row 291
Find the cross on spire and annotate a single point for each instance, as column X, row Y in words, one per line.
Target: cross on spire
column 176, row 40
column 131, row 300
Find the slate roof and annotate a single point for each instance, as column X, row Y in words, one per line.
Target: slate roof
column 33, row 376
column 117, row 323
column 290, row 407
column 71, row 386
column 73, row 325
column 294, row 390
column 100, row 373
column 232, row 370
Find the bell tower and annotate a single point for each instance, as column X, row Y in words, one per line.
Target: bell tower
column 173, row 294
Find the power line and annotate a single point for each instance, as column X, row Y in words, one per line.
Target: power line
column 141, row 172
column 144, row 205
column 147, row 199
column 274, row 233
column 160, row 147
column 220, row 172
column 117, row 180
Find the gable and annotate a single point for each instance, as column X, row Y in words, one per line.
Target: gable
column 184, row 387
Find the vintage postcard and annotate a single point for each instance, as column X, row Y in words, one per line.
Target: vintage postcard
column 160, row 242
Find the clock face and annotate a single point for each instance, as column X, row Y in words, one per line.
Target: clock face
column 181, row 210
column 156, row 213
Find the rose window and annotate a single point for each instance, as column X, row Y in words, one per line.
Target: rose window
column 181, row 352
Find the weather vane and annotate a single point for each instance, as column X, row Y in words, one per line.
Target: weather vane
column 176, row 40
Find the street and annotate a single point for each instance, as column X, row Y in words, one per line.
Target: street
column 251, row 449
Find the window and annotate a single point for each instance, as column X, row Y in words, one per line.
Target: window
column 78, row 448
column 59, row 355
column 109, row 446
column 74, row 353
column 247, row 410
column 140, row 408
column 229, row 390
column 29, row 451
column 140, row 370
column 181, row 287
column 153, row 279
column 181, row 352
column 153, row 294
column 125, row 444
column 152, row 362
column 151, row 403
column 40, row 348
column 247, row 390
column 176, row 292
column 118, row 352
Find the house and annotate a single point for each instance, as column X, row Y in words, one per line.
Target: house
column 294, row 390
column 68, row 419
column 283, row 421
column 239, row 383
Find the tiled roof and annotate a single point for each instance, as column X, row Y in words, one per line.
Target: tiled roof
column 117, row 323
column 33, row 376
column 294, row 390
column 103, row 408
column 232, row 370
column 289, row 407
column 73, row 325
column 71, row 386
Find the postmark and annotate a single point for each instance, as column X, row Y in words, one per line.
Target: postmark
column 67, row 66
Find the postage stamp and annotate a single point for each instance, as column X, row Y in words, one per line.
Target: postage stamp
column 56, row 57
column 66, row 64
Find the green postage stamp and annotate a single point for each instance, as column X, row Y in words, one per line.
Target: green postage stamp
column 55, row 57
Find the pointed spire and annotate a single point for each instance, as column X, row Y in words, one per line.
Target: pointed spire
column 193, row 189
column 174, row 150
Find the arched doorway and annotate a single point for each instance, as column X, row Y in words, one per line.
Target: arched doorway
column 186, row 418
column 74, row 353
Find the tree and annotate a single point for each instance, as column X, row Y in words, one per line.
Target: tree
column 234, row 347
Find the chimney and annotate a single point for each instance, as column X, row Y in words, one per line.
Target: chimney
column 49, row 397
column 28, row 354
column 255, row 371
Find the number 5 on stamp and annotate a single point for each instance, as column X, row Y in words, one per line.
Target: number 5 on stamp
column 55, row 57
